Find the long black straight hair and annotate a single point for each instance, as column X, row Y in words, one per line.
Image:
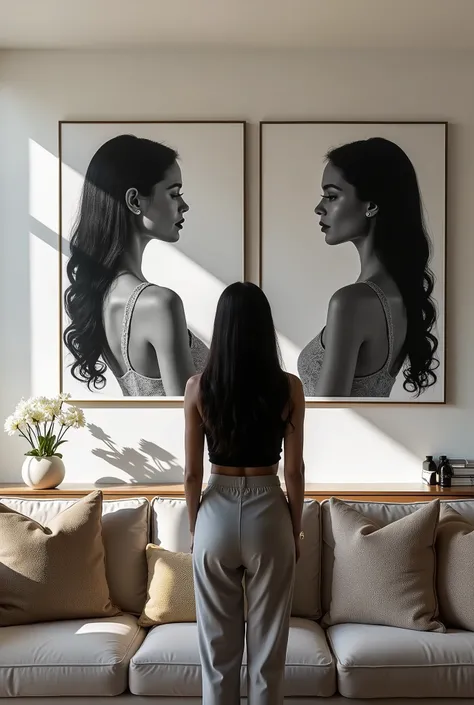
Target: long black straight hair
column 381, row 172
column 243, row 388
column 99, row 240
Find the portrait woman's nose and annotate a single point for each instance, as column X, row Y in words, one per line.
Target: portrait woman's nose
column 183, row 207
column 320, row 210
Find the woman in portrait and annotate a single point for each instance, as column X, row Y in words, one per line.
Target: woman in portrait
column 383, row 322
column 132, row 194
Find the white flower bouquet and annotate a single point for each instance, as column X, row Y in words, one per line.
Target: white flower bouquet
column 43, row 422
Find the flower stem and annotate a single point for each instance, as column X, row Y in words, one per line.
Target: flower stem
column 26, row 437
column 31, row 432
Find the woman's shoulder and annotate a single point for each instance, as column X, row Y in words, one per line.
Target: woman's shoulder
column 351, row 295
column 154, row 294
column 126, row 285
column 155, row 300
column 352, row 302
column 296, row 385
column 160, row 313
column 192, row 389
column 194, row 382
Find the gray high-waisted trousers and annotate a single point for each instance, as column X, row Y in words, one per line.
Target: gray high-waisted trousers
column 243, row 527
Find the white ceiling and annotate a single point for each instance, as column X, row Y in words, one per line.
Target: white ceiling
column 351, row 24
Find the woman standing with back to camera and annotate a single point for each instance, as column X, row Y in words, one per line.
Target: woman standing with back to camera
column 243, row 526
column 383, row 322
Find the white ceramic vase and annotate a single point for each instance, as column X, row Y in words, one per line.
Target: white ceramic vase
column 43, row 473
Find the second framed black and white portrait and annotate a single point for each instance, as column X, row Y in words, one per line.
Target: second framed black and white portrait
column 353, row 256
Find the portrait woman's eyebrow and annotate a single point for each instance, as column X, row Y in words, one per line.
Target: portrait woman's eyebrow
column 383, row 323
column 132, row 194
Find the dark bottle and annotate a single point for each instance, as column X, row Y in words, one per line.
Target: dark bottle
column 445, row 472
column 429, row 471
column 441, row 460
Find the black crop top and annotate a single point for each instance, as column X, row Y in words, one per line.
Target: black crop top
column 259, row 448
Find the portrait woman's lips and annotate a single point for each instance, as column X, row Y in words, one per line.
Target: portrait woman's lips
column 324, row 227
column 180, row 223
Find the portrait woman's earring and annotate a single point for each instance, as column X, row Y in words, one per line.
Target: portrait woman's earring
column 371, row 213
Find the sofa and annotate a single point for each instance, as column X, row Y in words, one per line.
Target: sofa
column 94, row 660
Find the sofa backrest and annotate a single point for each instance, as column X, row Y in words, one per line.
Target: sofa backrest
column 465, row 507
column 125, row 531
column 383, row 513
column 170, row 529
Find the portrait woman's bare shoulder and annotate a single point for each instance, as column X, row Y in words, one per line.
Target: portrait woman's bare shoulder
column 347, row 329
column 161, row 323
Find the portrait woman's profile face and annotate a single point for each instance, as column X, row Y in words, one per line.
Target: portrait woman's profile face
column 342, row 215
column 161, row 215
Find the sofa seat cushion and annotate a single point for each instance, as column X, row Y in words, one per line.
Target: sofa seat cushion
column 88, row 657
column 167, row 663
column 375, row 661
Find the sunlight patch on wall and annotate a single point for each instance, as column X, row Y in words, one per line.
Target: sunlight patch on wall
column 289, row 353
column 43, row 185
column 348, row 448
column 167, row 266
column 44, row 307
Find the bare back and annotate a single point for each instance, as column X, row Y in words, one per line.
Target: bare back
column 293, row 438
column 147, row 335
column 142, row 354
column 374, row 351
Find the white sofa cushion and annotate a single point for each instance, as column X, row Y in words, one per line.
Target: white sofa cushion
column 125, row 532
column 167, row 663
column 170, row 530
column 375, row 661
column 73, row 657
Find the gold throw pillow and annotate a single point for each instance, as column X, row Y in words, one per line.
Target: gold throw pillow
column 170, row 593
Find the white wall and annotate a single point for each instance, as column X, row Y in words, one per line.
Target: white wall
column 359, row 444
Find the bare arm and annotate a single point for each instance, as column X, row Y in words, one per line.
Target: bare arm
column 343, row 337
column 170, row 340
column 194, row 450
column 293, row 445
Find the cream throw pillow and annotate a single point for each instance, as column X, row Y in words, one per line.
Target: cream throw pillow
column 384, row 574
column 56, row 571
column 455, row 571
column 170, row 594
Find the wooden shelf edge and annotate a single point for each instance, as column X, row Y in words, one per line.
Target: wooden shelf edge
column 376, row 492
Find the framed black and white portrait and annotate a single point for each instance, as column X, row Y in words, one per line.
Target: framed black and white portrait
column 353, row 256
column 152, row 218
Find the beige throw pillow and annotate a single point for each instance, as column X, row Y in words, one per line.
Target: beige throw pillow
column 56, row 571
column 455, row 569
column 384, row 574
column 170, row 594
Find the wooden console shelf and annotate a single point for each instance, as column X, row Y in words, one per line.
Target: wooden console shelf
column 376, row 492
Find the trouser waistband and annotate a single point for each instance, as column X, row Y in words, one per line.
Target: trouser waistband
column 238, row 481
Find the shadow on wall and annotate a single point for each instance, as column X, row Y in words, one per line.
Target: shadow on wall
column 149, row 464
